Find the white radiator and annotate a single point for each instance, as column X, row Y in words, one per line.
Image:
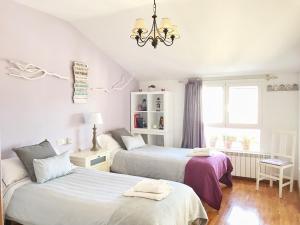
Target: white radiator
column 244, row 164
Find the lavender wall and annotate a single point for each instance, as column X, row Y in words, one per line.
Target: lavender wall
column 31, row 111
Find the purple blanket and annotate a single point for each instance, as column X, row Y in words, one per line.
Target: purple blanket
column 203, row 174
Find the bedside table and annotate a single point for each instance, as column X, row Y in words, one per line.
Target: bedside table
column 89, row 159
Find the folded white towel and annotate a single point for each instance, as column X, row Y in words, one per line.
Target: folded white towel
column 152, row 186
column 202, row 149
column 152, row 196
column 201, row 153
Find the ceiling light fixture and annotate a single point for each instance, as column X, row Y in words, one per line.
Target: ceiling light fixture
column 166, row 33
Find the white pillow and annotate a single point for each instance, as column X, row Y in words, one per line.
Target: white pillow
column 53, row 167
column 107, row 142
column 132, row 142
column 13, row 170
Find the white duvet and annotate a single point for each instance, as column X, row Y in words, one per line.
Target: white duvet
column 88, row 197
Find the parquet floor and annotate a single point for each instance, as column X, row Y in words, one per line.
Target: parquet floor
column 243, row 205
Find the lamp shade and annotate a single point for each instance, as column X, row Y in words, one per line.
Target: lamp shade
column 93, row 118
column 139, row 24
column 165, row 24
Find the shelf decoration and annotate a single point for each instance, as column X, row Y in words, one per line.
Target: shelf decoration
column 151, row 87
column 29, row 71
column 283, row 87
column 117, row 86
column 80, row 71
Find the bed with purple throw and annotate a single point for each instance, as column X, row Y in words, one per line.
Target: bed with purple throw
column 203, row 174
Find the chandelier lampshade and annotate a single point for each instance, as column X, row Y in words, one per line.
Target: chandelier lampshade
column 165, row 24
column 165, row 33
column 139, row 24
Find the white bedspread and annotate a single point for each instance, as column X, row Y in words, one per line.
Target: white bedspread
column 88, row 197
column 153, row 162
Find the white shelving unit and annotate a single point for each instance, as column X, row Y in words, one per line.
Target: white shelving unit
column 147, row 109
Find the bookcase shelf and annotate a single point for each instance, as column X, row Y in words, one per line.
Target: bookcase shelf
column 152, row 116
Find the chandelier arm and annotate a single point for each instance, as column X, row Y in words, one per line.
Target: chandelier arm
column 168, row 43
column 166, row 40
column 160, row 39
column 164, row 37
column 148, row 36
column 142, row 43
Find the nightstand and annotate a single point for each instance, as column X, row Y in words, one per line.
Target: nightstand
column 98, row 160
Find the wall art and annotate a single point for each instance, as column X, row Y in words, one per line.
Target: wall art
column 80, row 71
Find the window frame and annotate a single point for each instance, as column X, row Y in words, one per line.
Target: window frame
column 226, row 84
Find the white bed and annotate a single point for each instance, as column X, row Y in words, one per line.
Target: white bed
column 152, row 161
column 95, row 198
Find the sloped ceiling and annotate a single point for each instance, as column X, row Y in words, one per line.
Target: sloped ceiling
column 232, row 37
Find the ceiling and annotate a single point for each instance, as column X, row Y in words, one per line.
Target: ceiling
column 232, row 37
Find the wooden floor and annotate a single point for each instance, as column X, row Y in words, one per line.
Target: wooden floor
column 243, row 205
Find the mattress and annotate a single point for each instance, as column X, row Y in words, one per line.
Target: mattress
column 95, row 198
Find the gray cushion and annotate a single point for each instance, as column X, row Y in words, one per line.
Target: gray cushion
column 117, row 135
column 28, row 153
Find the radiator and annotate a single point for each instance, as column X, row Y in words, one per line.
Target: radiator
column 244, row 164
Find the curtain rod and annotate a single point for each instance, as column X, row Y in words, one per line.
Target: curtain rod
column 264, row 77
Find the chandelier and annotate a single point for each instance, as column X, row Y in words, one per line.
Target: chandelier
column 166, row 33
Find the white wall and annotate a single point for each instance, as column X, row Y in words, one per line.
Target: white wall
column 280, row 109
column 31, row 111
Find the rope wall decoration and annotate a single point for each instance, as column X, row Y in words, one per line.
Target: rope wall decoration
column 29, row 71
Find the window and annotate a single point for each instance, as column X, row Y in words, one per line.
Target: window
column 231, row 113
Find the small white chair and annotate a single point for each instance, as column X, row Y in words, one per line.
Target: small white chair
column 283, row 147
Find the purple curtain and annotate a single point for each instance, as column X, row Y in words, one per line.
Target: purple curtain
column 193, row 135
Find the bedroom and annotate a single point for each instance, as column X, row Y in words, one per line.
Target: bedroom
column 238, row 52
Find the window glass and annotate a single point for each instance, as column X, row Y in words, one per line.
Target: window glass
column 243, row 105
column 213, row 105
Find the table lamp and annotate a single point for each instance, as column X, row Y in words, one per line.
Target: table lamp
column 96, row 119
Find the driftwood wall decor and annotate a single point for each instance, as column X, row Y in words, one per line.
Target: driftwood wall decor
column 29, row 71
column 117, row 86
